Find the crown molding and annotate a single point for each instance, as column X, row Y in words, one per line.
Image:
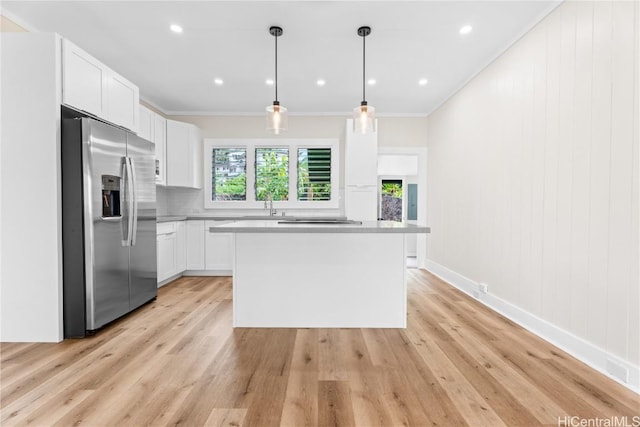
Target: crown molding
column 18, row 21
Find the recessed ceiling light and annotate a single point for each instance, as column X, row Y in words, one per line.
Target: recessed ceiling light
column 371, row 82
column 218, row 82
column 466, row 29
column 269, row 82
column 423, row 82
column 321, row 82
column 176, row 28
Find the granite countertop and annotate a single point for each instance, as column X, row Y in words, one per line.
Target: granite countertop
column 255, row 226
column 170, row 218
column 239, row 217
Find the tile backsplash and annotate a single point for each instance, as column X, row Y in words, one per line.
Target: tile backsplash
column 188, row 201
column 179, row 201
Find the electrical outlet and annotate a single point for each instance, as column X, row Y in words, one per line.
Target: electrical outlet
column 483, row 287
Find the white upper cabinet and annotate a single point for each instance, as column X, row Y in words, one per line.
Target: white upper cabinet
column 361, row 174
column 361, row 157
column 184, row 155
column 89, row 85
column 84, row 80
column 123, row 99
column 145, row 130
column 160, row 139
column 153, row 127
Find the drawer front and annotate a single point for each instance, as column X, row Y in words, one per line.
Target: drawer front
column 166, row 227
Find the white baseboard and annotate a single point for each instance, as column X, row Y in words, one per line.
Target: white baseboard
column 208, row 273
column 213, row 273
column 604, row 362
column 169, row 279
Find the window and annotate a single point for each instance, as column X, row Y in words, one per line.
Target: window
column 229, row 174
column 272, row 174
column 314, row 173
column 295, row 173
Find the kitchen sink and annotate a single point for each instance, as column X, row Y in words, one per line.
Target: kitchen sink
column 320, row 221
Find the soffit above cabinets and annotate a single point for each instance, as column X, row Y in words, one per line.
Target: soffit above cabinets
column 230, row 41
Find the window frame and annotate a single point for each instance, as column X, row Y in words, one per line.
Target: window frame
column 292, row 144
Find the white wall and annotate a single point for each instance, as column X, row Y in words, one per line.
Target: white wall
column 31, row 259
column 533, row 177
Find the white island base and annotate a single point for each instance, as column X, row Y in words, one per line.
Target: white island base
column 319, row 280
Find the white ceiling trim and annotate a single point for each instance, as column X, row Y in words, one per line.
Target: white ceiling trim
column 16, row 19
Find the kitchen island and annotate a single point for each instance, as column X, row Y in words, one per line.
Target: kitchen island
column 319, row 275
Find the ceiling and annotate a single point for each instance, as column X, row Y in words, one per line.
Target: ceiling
column 229, row 40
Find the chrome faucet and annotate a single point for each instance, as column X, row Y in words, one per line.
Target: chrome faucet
column 268, row 204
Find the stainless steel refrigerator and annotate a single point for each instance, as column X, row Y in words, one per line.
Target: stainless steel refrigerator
column 108, row 224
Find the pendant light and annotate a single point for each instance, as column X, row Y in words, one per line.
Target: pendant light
column 364, row 115
column 276, row 113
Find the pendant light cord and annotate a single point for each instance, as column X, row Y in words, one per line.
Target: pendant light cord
column 276, row 37
column 364, row 99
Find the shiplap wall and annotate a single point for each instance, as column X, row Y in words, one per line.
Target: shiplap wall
column 533, row 175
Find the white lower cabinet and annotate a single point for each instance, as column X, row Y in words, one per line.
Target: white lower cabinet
column 208, row 254
column 187, row 247
column 361, row 202
column 171, row 249
column 195, row 244
column 166, row 254
column 181, row 247
column 218, row 250
column 219, row 253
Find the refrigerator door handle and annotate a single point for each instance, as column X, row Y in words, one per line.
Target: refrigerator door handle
column 129, row 199
column 124, row 225
column 134, row 203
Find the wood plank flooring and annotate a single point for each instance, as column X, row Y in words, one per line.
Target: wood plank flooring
column 178, row 361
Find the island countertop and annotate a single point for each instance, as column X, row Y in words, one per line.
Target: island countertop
column 270, row 226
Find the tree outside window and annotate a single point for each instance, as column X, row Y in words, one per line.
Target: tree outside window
column 272, row 173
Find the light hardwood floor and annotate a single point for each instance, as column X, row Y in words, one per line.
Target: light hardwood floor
column 178, row 361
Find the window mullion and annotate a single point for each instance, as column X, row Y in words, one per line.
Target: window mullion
column 251, row 174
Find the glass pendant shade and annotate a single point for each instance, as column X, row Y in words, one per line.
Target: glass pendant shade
column 276, row 118
column 276, row 114
column 364, row 119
